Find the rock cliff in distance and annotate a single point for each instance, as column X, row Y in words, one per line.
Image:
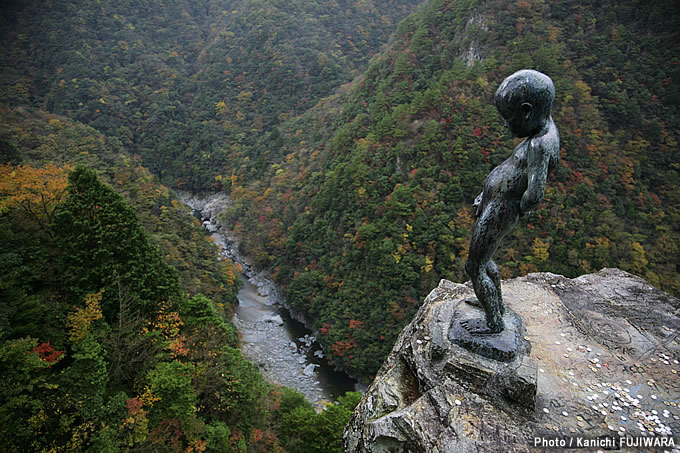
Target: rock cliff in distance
column 600, row 360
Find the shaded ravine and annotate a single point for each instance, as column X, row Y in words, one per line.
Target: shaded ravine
column 285, row 351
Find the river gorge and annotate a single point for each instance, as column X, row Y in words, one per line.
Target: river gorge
column 285, row 351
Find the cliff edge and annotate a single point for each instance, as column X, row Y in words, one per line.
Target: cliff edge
column 599, row 359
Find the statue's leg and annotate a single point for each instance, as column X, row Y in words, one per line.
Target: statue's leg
column 488, row 296
column 495, row 275
column 484, row 242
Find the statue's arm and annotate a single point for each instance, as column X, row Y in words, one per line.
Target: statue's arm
column 538, row 162
column 477, row 204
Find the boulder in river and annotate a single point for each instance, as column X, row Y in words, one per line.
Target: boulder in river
column 274, row 319
column 309, row 369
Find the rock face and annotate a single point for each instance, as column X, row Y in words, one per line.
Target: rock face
column 600, row 359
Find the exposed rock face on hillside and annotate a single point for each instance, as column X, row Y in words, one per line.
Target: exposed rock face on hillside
column 601, row 359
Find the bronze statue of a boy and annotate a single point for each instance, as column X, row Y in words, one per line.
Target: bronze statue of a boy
column 513, row 188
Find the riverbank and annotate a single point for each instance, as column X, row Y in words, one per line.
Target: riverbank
column 285, row 351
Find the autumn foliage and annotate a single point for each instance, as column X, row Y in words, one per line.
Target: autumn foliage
column 36, row 190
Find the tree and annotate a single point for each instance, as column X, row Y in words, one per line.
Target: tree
column 37, row 191
column 103, row 243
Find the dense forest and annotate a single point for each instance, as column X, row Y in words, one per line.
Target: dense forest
column 115, row 316
column 352, row 160
column 187, row 84
column 365, row 200
column 115, row 308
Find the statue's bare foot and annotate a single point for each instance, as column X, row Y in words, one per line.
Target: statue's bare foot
column 479, row 326
column 474, row 302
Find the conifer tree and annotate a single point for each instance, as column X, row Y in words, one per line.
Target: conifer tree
column 104, row 246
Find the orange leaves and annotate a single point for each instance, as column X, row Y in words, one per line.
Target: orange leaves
column 354, row 324
column 37, row 191
column 197, row 446
column 177, row 347
column 136, row 424
column 340, row 348
column 168, row 325
column 134, row 406
column 230, row 270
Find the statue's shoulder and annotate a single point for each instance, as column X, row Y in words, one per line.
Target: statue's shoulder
column 548, row 141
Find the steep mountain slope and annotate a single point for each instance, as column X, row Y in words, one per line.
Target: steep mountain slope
column 364, row 203
column 361, row 204
column 100, row 346
column 107, row 338
column 187, row 84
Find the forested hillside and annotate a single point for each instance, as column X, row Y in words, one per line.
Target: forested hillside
column 114, row 330
column 188, row 85
column 114, row 306
column 365, row 203
column 357, row 196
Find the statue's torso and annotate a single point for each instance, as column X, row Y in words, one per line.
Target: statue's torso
column 509, row 179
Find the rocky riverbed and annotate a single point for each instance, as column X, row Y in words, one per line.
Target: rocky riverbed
column 285, row 351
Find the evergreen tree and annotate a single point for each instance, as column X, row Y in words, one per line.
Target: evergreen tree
column 104, row 246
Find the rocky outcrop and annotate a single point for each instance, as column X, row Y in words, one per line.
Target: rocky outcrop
column 599, row 358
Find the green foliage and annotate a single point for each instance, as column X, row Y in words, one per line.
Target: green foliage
column 170, row 383
column 188, row 83
column 23, row 391
column 87, row 377
column 217, row 436
column 301, row 429
column 104, row 246
column 366, row 203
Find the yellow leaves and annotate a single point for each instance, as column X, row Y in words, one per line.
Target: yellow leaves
column 639, row 259
column 136, row 425
column 397, row 257
column 148, row 398
column 220, row 108
column 429, row 264
column 539, row 250
column 267, row 192
column 625, row 169
column 36, row 421
column 481, row 82
column 79, row 322
column 362, row 193
column 244, row 97
column 35, row 190
column 582, row 91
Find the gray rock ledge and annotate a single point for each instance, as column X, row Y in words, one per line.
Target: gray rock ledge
column 603, row 361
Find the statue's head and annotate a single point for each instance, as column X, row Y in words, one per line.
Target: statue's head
column 525, row 100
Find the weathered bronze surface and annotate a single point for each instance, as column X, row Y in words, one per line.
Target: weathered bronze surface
column 513, row 188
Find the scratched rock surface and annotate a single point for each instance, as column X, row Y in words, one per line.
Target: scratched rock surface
column 603, row 350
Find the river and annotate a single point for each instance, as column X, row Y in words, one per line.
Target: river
column 285, row 351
